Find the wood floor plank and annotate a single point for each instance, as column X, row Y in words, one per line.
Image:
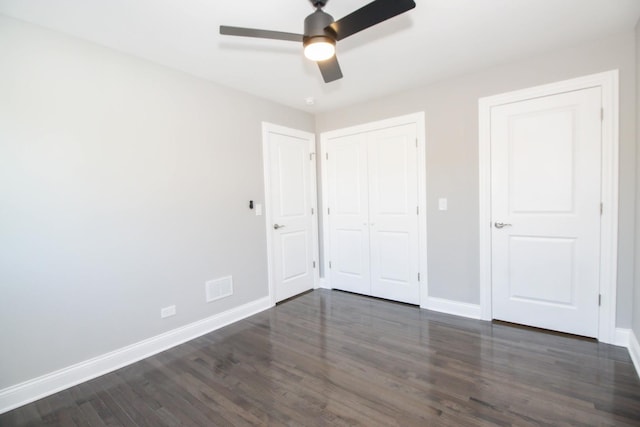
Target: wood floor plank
column 339, row 359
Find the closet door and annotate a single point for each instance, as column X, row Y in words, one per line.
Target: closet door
column 393, row 213
column 348, row 216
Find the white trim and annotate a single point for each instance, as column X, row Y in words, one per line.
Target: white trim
column 324, row 284
column 456, row 308
column 608, row 82
column 316, row 214
column 45, row 385
column 324, row 185
column 621, row 337
column 634, row 351
column 484, row 202
column 419, row 120
column 422, row 203
column 311, row 138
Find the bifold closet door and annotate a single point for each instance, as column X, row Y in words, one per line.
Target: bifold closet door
column 373, row 217
column 348, row 214
column 393, row 213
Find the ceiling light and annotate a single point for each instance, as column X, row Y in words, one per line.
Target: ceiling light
column 319, row 48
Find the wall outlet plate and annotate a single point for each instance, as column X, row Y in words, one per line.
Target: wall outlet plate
column 168, row 311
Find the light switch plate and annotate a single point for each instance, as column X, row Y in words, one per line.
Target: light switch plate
column 442, row 204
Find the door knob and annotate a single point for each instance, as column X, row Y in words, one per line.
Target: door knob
column 501, row 225
column 276, row 226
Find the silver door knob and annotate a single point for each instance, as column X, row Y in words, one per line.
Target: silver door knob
column 276, row 226
column 501, row 225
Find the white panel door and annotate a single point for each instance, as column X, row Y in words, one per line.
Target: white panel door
column 348, row 216
column 290, row 212
column 545, row 192
column 393, row 215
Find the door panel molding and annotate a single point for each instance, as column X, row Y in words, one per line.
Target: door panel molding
column 608, row 83
column 267, row 129
column 419, row 120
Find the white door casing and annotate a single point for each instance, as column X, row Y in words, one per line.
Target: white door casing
column 605, row 270
column 291, row 222
column 375, row 237
column 545, row 204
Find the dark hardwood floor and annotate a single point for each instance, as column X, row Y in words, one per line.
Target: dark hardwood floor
column 333, row 358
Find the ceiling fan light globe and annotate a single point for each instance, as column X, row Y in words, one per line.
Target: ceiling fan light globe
column 320, row 50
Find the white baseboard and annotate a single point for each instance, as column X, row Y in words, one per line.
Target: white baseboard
column 324, row 284
column 621, row 337
column 45, row 385
column 634, row 351
column 463, row 309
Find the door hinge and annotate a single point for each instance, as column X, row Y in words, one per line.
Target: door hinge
column 312, row 211
column 329, row 264
column 417, row 210
column 601, row 114
column 326, row 155
column 418, row 277
column 328, row 211
column 416, row 142
column 599, row 300
column 601, row 208
column 311, row 156
column 314, row 264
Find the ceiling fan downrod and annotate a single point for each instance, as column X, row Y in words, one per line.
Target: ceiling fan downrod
column 319, row 4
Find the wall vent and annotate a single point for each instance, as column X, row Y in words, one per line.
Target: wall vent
column 218, row 288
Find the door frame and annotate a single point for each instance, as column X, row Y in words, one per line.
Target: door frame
column 266, row 161
column 415, row 118
column 608, row 83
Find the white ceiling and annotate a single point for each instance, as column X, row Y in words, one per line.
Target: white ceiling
column 438, row 38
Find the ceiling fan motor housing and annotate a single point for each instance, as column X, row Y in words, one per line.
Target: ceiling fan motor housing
column 316, row 26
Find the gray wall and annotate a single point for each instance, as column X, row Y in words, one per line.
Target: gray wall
column 636, row 295
column 451, row 108
column 124, row 185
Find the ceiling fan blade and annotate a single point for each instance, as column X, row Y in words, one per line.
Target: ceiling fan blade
column 330, row 69
column 367, row 16
column 261, row 34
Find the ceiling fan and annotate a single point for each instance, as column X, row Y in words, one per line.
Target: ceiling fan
column 321, row 32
